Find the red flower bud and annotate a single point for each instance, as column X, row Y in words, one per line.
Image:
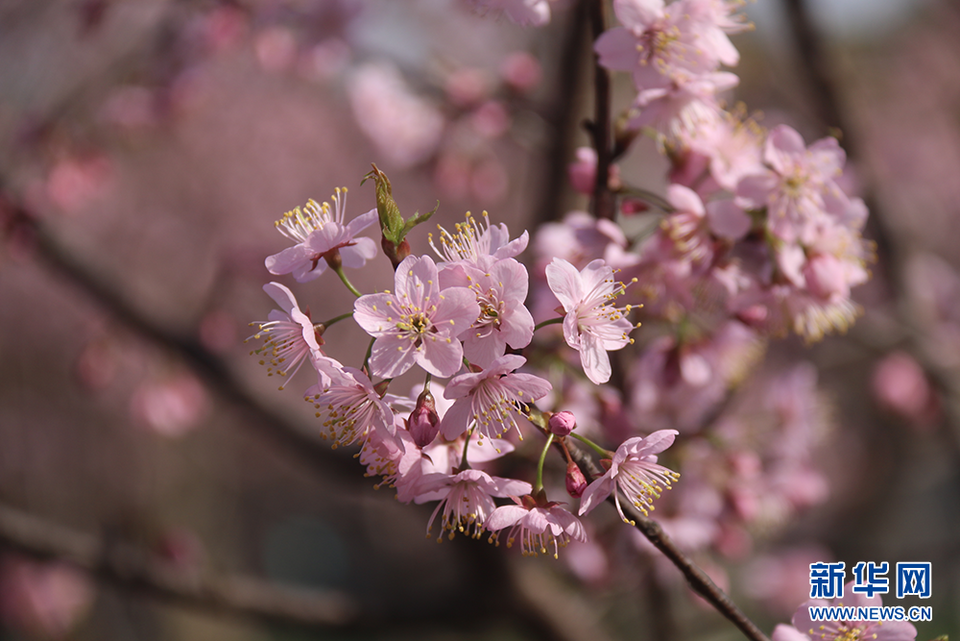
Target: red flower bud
column 562, row 423
column 576, row 481
column 424, row 422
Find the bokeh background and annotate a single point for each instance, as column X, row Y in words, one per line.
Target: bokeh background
column 147, row 149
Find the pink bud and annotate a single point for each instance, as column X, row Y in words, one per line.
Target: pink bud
column 424, row 422
column 562, row 423
column 576, row 481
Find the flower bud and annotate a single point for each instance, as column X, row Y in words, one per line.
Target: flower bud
column 576, row 481
column 424, row 422
column 562, row 423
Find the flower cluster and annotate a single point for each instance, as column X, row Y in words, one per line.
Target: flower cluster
column 753, row 237
column 462, row 317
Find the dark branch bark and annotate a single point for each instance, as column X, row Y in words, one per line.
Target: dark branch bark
column 132, row 569
column 603, row 199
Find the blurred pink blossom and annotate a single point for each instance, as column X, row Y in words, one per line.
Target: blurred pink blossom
column 900, row 385
column 172, row 406
column 46, row 600
column 404, row 127
column 521, row 71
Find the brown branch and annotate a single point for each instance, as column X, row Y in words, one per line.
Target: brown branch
column 603, row 200
column 299, row 441
column 130, row 568
column 561, row 114
column 696, row 578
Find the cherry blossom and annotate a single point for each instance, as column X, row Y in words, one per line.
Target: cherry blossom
column 503, row 319
column 348, row 404
column 289, row 335
column 466, row 499
column 477, row 244
column 592, row 325
column 635, row 472
column 419, row 323
column 488, row 399
column 846, row 630
column 322, row 235
column 542, row 527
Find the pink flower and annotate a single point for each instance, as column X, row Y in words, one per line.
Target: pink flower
column 846, row 630
column 635, row 472
column 592, row 325
column 466, row 499
column 290, row 335
column 478, row 245
column 321, row 233
column 503, row 319
column 661, row 44
column 170, row 407
column 799, row 188
column 489, row 398
column 419, row 323
column 541, row 528
column 348, row 405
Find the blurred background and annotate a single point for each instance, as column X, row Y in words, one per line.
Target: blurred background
column 147, row 149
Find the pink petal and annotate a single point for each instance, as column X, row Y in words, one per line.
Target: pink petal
column 617, row 49
column 685, row 199
column 504, row 516
column 565, row 282
column 638, row 14
column 727, row 220
column 596, row 493
column 440, row 355
column 288, row 260
column 281, row 295
column 392, row 356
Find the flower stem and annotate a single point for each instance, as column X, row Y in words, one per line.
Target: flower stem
column 543, row 457
column 552, row 321
column 336, row 319
column 346, row 281
column 596, row 448
column 366, row 357
column 464, row 465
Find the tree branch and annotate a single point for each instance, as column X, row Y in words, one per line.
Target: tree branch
column 696, row 578
column 299, row 441
column 603, row 200
column 127, row 567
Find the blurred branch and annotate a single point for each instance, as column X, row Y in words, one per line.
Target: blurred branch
column 127, row 567
column 299, row 441
column 562, row 113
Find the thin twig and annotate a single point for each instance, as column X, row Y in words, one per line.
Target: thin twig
column 697, row 578
column 127, row 567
